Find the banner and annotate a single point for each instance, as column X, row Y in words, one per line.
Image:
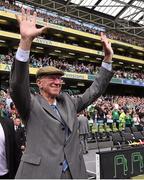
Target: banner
column 113, row 80
column 32, row 71
column 68, row 46
column 76, row 76
column 11, row 14
column 9, row 35
column 5, row 67
column 116, row 81
column 121, row 164
column 121, row 81
column 124, row 58
column 132, row 82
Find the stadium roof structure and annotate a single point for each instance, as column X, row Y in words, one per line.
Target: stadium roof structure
column 123, row 15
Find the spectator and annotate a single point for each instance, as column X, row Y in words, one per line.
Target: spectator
column 20, row 138
column 128, row 119
column 8, row 149
column 115, row 115
column 83, row 131
column 122, row 119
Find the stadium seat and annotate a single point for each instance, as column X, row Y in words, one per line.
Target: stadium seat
column 128, row 137
column 127, row 130
column 134, row 129
column 92, row 134
column 94, row 128
column 138, row 136
column 114, row 128
column 107, row 129
column 142, row 132
column 117, row 140
column 102, row 135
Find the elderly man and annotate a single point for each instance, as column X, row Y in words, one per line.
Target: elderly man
column 53, row 147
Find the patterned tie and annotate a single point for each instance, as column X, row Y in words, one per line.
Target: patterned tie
column 65, row 163
column 54, row 107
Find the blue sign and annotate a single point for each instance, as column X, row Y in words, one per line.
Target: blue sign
column 132, row 82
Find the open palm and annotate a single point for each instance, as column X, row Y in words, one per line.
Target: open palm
column 108, row 51
column 27, row 24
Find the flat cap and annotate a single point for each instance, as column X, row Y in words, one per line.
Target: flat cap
column 49, row 70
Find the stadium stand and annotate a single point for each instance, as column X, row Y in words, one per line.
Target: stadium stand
column 73, row 45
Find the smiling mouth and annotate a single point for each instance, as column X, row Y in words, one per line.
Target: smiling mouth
column 58, row 86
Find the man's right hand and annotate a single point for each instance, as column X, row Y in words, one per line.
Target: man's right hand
column 28, row 28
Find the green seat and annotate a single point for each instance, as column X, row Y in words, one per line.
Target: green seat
column 107, row 128
column 101, row 129
column 114, row 128
column 94, row 128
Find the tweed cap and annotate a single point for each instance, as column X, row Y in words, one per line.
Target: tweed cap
column 49, row 70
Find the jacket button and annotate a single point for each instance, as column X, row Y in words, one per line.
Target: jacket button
column 61, row 164
column 63, row 128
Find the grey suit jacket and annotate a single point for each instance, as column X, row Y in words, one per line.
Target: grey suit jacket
column 46, row 146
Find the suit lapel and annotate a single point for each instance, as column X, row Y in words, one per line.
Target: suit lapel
column 64, row 112
column 48, row 108
column 61, row 108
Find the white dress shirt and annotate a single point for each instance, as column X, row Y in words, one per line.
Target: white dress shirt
column 3, row 161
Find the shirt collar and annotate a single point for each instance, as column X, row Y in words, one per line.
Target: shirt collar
column 54, row 103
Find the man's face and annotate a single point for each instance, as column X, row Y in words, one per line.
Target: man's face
column 2, row 106
column 17, row 122
column 50, row 84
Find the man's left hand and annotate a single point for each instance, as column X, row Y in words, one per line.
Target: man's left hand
column 108, row 51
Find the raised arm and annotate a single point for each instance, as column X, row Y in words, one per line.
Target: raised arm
column 108, row 51
column 19, row 78
column 28, row 29
column 101, row 81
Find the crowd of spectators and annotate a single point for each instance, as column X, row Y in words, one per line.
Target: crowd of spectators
column 129, row 75
column 123, row 111
column 8, row 112
column 66, row 21
column 7, row 107
column 125, row 38
column 77, row 67
column 119, row 112
column 54, row 18
column 115, row 112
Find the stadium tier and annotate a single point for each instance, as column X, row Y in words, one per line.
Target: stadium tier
column 74, row 48
column 116, row 119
